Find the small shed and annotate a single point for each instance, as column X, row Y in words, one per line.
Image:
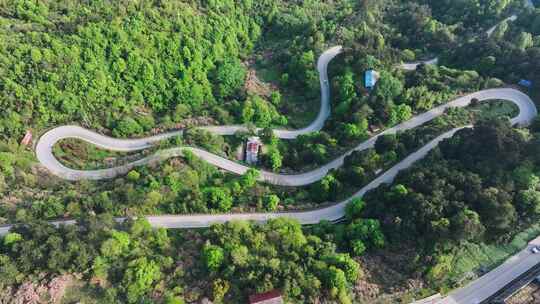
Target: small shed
column 525, row 83
column 270, row 297
column 370, row 78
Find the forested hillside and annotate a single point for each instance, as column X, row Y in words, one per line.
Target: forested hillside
column 121, row 65
column 477, row 186
column 135, row 263
column 134, row 68
column 511, row 53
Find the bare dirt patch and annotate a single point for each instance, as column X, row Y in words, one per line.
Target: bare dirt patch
column 47, row 291
column 388, row 276
column 255, row 86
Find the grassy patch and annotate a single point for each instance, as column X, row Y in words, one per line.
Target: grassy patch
column 474, row 259
column 495, row 108
column 268, row 74
column 78, row 154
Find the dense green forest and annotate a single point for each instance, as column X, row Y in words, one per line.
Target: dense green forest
column 133, row 68
column 476, row 186
column 122, row 65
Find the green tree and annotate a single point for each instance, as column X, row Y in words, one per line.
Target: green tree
column 116, row 245
column 275, row 98
column 524, row 40
column 127, row 127
column 347, row 90
column 174, row 300
column 386, row 143
column 271, row 202
column 496, row 208
column 8, row 271
column 466, row 225
column 325, row 189
column 133, row 176
column 500, row 31
column 368, row 231
column 219, row 290
column 529, row 201
column 260, row 112
column 218, row 198
column 230, row 76
column 358, row 247
column 525, row 178
column 139, row 277
column 275, row 159
column 6, row 163
column 351, row 132
column 400, row 113
column 388, row 87
column 249, row 179
column 335, row 278
column 354, row 208
column 12, row 238
column 349, row 266
column 213, row 256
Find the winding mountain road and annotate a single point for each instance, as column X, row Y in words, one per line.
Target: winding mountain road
column 527, row 111
column 44, row 148
column 46, row 142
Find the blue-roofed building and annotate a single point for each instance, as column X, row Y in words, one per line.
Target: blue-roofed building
column 525, row 83
column 370, row 79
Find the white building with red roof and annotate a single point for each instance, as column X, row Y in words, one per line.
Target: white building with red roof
column 253, row 147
